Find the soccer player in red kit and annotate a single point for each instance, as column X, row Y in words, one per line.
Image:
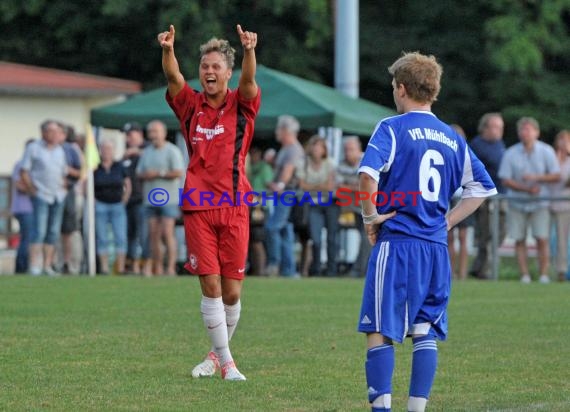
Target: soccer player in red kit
column 218, row 128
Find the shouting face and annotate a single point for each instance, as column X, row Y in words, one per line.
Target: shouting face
column 214, row 74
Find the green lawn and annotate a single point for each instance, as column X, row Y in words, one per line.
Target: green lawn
column 109, row 343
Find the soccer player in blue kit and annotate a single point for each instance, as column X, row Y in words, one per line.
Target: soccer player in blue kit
column 417, row 162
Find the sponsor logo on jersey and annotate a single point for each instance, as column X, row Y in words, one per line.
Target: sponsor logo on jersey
column 210, row 133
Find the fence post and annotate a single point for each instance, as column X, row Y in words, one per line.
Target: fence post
column 495, row 210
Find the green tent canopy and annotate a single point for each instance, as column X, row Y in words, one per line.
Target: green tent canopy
column 312, row 103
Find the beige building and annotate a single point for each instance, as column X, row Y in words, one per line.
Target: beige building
column 29, row 95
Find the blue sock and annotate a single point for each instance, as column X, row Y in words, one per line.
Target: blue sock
column 424, row 364
column 379, row 369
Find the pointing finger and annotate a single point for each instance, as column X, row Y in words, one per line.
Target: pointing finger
column 239, row 30
column 172, row 31
column 162, row 37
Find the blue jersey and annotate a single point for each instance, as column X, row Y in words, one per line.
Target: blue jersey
column 419, row 162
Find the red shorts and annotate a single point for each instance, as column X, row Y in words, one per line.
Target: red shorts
column 217, row 241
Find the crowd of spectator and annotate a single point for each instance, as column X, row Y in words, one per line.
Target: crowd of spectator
column 529, row 175
column 48, row 199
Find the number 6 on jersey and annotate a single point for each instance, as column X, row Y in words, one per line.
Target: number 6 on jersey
column 427, row 173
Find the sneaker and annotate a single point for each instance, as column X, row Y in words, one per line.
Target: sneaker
column 295, row 275
column 50, row 272
column 230, row 372
column 525, row 279
column 207, row 367
column 35, row 271
column 272, row 270
column 65, row 269
column 544, row 279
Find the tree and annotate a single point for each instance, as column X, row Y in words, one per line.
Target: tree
column 498, row 55
column 528, row 45
column 453, row 34
column 509, row 56
column 118, row 38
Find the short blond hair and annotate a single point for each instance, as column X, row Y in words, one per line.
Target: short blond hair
column 420, row 74
column 221, row 46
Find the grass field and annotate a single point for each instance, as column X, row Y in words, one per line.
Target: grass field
column 109, row 343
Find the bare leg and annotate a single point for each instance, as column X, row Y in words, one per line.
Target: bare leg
column 67, row 247
column 136, row 266
column 376, row 339
column 231, row 290
column 155, row 232
column 49, row 252
column 120, row 263
column 76, row 252
column 167, row 224
column 104, row 263
column 543, row 255
column 36, row 256
column 147, row 267
column 520, row 248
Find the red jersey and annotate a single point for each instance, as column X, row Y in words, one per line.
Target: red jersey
column 217, row 141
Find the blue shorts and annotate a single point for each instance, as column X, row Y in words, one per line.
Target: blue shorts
column 406, row 290
column 47, row 221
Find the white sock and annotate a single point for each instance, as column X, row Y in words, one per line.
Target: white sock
column 383, row 401
column 416, row 404
column 214, row 318
column 232, row 317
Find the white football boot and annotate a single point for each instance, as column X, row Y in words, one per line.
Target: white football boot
column 207, row 367
column 230, row 372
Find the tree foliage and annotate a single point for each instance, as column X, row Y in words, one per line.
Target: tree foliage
column 528, row 44
column 117, row 38
column 498, row 55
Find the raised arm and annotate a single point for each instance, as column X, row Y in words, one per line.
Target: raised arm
column 247, row 85
column 169, row 63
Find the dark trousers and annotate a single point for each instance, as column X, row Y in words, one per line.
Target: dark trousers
column 137, row 232
column 324, row 217
column 26, row 222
